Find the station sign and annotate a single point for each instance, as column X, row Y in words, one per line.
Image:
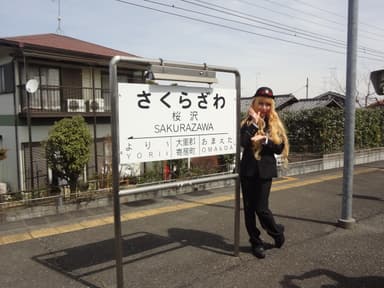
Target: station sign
column 159, row 122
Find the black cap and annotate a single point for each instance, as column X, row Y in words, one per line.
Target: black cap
column 264, row 92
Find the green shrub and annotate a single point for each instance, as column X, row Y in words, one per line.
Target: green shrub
column 321, row 130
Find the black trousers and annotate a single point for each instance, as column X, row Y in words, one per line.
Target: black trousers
column 256, row 202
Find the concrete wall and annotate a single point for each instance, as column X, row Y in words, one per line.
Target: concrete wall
column 332, row 161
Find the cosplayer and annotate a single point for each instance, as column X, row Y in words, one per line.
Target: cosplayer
column 262, row 135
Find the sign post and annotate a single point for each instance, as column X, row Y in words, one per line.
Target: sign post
column 172, row 122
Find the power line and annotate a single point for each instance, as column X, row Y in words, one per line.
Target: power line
column 288, row 15
column 263, row 21
column 321, row 9
column 335, row 42
column 294, row 33
column 233, row 28
column 299, row 89
column 337, row 15
column 219, row 24
column 311, row 21
column 297, row 10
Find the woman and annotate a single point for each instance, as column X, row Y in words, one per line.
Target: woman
column 262, row 135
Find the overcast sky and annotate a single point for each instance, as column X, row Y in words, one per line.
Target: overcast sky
column 258, row 37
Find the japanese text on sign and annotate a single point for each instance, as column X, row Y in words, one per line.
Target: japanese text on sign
column 172, row 122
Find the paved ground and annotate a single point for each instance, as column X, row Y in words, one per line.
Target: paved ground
column 187, row 241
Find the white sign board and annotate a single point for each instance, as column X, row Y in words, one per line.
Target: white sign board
column 172, row 122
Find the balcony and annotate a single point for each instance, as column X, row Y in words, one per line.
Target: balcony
column 59, row 101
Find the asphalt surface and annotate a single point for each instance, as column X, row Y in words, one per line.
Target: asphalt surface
column 187, row 241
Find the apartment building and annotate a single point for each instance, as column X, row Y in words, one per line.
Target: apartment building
column 73, row 78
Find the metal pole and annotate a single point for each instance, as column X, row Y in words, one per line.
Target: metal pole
column 177, row 184
column 346, row 220
column 115, row 170
column 237, row 187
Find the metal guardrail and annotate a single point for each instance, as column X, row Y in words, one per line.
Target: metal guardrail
column 177, row 184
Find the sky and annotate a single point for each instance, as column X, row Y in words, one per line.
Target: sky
column 277, row 43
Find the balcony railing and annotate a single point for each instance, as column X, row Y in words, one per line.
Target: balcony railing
column 49, row 99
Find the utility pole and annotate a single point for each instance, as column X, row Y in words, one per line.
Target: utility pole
column 346, row 220
column 306, row 89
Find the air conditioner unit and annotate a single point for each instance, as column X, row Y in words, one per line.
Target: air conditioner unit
column 96, row 105
column 75, row 105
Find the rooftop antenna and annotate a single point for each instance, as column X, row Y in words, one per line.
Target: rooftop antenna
column 59, row 30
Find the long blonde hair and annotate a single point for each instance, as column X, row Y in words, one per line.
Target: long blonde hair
column 276, row 129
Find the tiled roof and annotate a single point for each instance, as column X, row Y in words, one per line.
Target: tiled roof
column 377, row 104
column 245, row 103
column 280, row 101
column 283, row 100
column 60, row 42
column 305, row 104
column 330, row 95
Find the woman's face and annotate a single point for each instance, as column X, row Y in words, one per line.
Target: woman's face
column 262, row 105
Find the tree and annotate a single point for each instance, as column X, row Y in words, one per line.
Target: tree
column 364, row 94
column 68, row 149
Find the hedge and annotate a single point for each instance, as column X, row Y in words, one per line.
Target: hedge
column 321, row 130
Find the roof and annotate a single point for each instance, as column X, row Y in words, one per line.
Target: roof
column 306, row 104
column 245, row 103
column 280, row 101
column 64, row 43
column 377, row 104
column 284, row 100
column 331, row 95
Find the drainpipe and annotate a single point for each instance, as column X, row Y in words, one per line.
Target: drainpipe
column 94, row 126
column 16, row 124
column 21, row 45
column 29, row 129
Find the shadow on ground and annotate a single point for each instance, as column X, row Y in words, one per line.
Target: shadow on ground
column 330, row 279
column 85, row 260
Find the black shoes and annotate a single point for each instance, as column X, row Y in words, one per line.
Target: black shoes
column 281, row 227
column 279, row 240
column 258, row 251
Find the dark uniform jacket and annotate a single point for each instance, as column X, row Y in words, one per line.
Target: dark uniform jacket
column 264, row 168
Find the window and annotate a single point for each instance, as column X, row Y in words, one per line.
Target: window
column 7, row 82
column 39, row 177
column 47, row 97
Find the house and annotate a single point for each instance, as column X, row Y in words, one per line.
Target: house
column 281, row 101
column 331, row 95
column 289, row 103
column 73, row 77
column 379, row 104
column 328, row 99
column 305, row 104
